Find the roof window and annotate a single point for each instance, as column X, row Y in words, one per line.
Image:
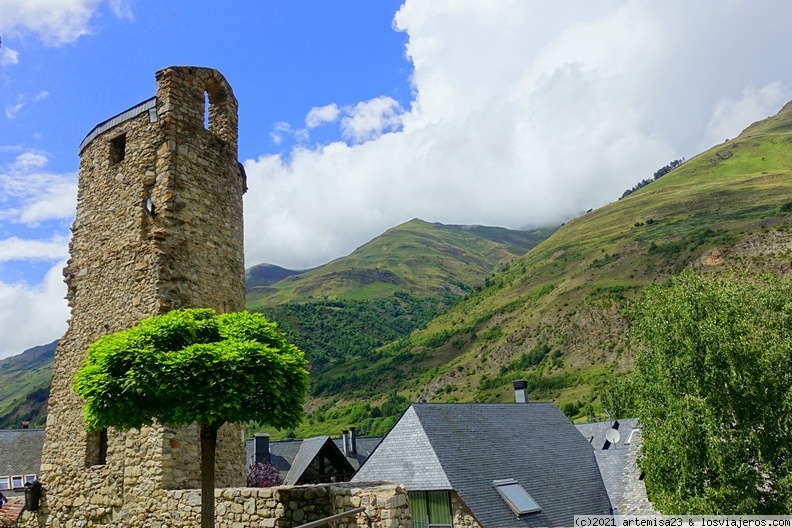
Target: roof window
column 516, row 496
column 5, row 483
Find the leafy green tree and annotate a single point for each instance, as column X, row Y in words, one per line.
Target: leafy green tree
column 715, row 379
column 619, row 396
column 194, row 366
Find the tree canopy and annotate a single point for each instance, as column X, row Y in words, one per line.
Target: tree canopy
column 714, row 379
column 194, row 366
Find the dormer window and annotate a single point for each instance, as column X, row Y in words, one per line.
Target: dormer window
column 516, row 496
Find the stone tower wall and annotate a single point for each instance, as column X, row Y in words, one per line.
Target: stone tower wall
column 126, row 265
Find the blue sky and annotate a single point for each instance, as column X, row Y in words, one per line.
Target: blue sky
column 356, row 116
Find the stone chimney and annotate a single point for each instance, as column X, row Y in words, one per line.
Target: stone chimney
column 520, row 391
column 261, row 448
column 352, row 442
column 25, row 425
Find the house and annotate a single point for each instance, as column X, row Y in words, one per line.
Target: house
column 313, row 460
column 616, row 455
column 20, row 458
column 493, row 465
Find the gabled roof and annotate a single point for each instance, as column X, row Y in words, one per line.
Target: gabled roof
column 364, row 444
column 309, row 448
column 466, row 447
column 292, row 457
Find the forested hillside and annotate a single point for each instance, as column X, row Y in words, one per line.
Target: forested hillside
column 556, row 316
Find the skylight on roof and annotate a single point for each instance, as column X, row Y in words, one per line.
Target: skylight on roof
column 516, row 496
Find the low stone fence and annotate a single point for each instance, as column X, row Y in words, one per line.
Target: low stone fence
column 290, row 506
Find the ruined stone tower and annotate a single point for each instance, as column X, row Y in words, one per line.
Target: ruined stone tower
column 158, row 226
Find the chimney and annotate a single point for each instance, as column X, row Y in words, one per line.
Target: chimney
column 520, row 391
column 352, row 442
column 261, row 448
column 25, row 425
column 345, row 435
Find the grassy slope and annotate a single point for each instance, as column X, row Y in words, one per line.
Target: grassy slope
column 560, row 305
column 22, row 374
column 417, row 257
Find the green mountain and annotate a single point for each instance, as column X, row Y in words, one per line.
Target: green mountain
column 24, row 386
column 554, row 317
column 262, row 275
column 386, row 288
column 421, row 258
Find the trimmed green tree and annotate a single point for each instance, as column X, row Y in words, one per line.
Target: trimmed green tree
column 194, row 366
column 714, row 376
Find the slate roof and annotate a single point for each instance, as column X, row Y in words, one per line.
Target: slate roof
column 618, row 465
column 309, row 449
column 283, row 454
column 365, row 445
column 595, row 432
column 20, row 452
column 465, row 447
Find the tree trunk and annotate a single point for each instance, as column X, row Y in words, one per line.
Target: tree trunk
column 208, row 448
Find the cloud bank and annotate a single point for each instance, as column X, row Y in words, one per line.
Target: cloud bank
column 522, row 113
column 41, row 203
column 54, row 22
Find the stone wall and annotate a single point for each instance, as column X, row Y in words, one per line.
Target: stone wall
column 278, row 507
column 291, row 506
column 460, row 514
column 127, row 264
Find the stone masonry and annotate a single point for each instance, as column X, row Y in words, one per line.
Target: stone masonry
column 158, row 227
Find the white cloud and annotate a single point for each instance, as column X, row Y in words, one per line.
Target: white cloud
column 521, row 113
column 369, row 119
column 32, row 315
column 11, row 111
column 8, row 56
column 279, row 130
column 732, row 116
column 319, row 115
column 55, row 22
column 30, row 195
column 15, row 248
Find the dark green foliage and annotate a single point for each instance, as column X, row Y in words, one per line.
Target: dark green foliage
column 605, row 260
column 715, row 381
column 368, row 420
column 439, row 339
column 690, row 242
column 619, row 396
column 527, row 360
column 331, row 332
column 659, row 173
column 193, row 366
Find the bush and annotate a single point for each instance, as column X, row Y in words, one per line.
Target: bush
column 263, row 475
